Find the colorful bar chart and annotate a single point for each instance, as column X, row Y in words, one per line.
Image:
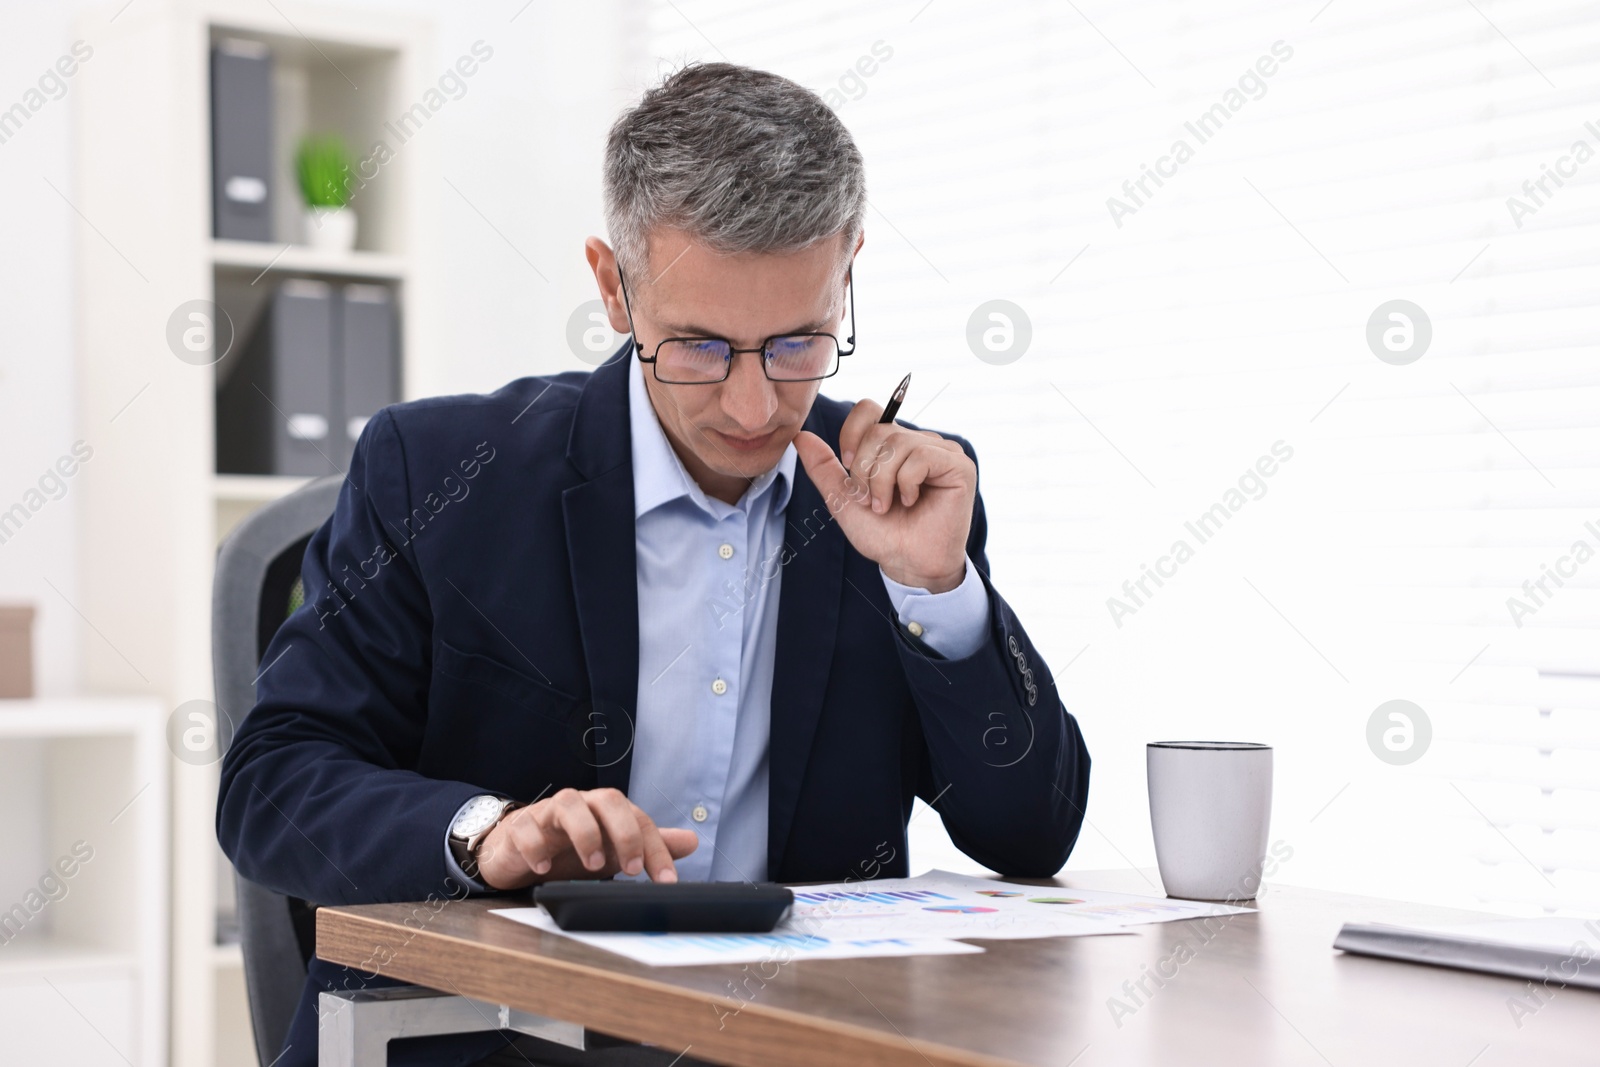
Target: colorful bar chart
column 912, row 896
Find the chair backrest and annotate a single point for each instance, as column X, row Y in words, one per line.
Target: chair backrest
column 256, row 588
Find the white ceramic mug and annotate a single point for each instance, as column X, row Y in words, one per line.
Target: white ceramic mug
column 1210, row 806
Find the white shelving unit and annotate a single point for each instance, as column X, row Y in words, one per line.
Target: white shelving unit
column 154, row 508
column 237, row 495
column 83, row 866
column 257, row 256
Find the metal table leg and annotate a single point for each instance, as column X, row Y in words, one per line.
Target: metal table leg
column 354, row 1028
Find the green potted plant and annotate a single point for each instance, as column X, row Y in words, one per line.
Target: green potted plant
column 322, row 166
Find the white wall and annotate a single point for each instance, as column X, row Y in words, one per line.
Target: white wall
column 37, row 377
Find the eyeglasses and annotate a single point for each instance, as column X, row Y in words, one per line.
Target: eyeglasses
column 794, row 357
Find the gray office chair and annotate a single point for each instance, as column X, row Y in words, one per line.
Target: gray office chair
column 257, row 587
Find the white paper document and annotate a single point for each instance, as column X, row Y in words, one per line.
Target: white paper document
column 897, row 917
column 679, row 950
column 941, row 904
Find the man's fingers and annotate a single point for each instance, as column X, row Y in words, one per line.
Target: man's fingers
column 879, row 464
column 620, row 820
column 530, row 841
column 680, row 842
column 912, row 473
column 930, row 465
column 822, row 466
column 600, row 830
column 941, row 441
column 863, row 417
column 571, row 814
column 657, row 855
column 872, row 482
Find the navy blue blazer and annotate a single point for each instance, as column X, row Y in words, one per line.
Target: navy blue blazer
column 471, row 625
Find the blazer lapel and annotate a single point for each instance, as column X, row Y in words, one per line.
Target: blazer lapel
column 808, row 622
column 602, row 550
column 601, row 545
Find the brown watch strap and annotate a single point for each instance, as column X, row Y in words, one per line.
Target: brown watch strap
column 466, row 852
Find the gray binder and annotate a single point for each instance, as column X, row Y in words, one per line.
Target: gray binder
column 241, row 140
column 277, row 404
column 368, row 365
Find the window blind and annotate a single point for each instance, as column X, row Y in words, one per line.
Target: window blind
column 1199, row 209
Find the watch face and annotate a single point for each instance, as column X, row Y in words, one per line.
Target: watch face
column 479, row 814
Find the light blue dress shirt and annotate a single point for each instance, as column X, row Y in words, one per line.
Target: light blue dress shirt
column 709, row 580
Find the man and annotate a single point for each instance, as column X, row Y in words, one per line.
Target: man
column 680, row 617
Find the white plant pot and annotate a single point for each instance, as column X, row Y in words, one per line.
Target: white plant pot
column 329, row 229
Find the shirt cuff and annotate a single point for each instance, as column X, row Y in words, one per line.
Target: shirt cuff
column 472, row 884
column 954, row 623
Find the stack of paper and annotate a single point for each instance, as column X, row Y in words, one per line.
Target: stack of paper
column 898, row 917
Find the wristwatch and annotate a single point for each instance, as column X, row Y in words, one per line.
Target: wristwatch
column 472, row 825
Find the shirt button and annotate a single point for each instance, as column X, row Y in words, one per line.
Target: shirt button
column 915, row 628
column 725, row 550
column 699, row 813
column 719, row 687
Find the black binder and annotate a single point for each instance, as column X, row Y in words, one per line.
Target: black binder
column 320, row 363
column 368, row 365
column 276, row 404
column 241, row 140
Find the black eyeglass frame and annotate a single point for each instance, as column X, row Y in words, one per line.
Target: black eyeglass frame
column 850, row 291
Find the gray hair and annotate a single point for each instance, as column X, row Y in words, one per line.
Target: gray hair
column 744, row 160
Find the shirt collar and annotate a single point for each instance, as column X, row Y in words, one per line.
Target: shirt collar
column 660, row 477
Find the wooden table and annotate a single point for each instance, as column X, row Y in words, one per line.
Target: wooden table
column 1264, row 988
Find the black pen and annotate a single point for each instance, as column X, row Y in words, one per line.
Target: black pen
column 894, row 401
column 891, row 410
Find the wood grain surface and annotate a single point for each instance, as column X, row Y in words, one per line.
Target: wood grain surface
column 1263, row 988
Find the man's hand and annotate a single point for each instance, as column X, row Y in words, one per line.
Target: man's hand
column 905, row 502
column 591, row 833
